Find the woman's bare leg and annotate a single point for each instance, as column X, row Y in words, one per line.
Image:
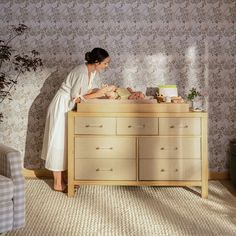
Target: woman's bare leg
column 64, row 176
column 59, row 184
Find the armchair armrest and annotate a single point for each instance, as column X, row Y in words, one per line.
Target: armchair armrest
column 11, row 167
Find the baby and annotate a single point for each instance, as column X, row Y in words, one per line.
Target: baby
column 113, row 92
column 109, row 91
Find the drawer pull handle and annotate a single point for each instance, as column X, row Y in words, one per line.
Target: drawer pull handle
column 185, row 126
column 104, row 169
column 162, row 170
column 176, row 170
column 136, row 126
column 97, row 126
column 162, row 148
column 98, row 148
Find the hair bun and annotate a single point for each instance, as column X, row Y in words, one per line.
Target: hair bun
column 96, row 55
column 88, row 56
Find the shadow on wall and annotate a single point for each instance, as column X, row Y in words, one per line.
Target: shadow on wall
column 37, row 119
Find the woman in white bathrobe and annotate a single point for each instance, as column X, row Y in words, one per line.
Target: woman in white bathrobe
column 74, row 88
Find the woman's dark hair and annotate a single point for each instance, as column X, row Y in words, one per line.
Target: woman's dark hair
column 96, row 55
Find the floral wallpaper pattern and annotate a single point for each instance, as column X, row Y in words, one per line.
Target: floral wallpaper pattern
column 190, row 43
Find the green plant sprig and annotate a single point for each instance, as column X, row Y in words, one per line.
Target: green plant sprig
column 193, row 93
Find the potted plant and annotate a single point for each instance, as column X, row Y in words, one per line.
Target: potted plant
column 13, row 63
column 193, row 93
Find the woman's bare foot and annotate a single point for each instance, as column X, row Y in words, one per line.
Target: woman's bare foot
column 59, row 184
column 60, row 188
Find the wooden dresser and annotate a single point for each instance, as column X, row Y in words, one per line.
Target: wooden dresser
column 130, row 144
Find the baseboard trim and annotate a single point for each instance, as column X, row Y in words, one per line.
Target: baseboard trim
column 44, row 173
column 219, row 175
column 38, row 173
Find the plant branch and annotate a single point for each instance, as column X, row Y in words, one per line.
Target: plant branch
column 21, row 63
column 10, row 39
column 10, row 87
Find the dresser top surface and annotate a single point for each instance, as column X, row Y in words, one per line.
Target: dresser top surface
column 136, row 110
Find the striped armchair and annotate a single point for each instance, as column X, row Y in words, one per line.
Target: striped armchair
column 12, row 190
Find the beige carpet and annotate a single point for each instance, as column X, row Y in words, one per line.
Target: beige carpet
column 136, row 211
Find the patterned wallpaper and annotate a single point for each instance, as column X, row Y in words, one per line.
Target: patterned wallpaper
column 151, row 42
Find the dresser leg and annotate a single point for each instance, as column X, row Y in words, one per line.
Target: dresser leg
column 205, row 190
column 71, row 191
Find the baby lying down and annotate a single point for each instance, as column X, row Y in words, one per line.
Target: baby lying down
column 113, row 92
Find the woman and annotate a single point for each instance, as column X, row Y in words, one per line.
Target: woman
column 75, row 87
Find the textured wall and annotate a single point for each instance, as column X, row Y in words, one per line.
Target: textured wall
column 151, row 42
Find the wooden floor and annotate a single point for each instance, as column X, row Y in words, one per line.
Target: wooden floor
column 229, row 185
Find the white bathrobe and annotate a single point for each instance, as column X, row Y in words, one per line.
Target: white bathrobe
column 54, row 150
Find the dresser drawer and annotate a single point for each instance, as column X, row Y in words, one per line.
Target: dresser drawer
column 137, row 126
column 105, row 147
column 162, row 169
column 179, row 126
column 169, row 147
column 95, row 125
column 105, row 169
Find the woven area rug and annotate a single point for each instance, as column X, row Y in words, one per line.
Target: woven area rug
column 122, row 210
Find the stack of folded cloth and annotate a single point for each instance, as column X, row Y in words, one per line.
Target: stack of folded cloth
column 178, row 99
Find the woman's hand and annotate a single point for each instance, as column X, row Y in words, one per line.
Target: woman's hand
column 77, row 100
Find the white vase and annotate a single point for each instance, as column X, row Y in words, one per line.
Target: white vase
column 191, row 104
